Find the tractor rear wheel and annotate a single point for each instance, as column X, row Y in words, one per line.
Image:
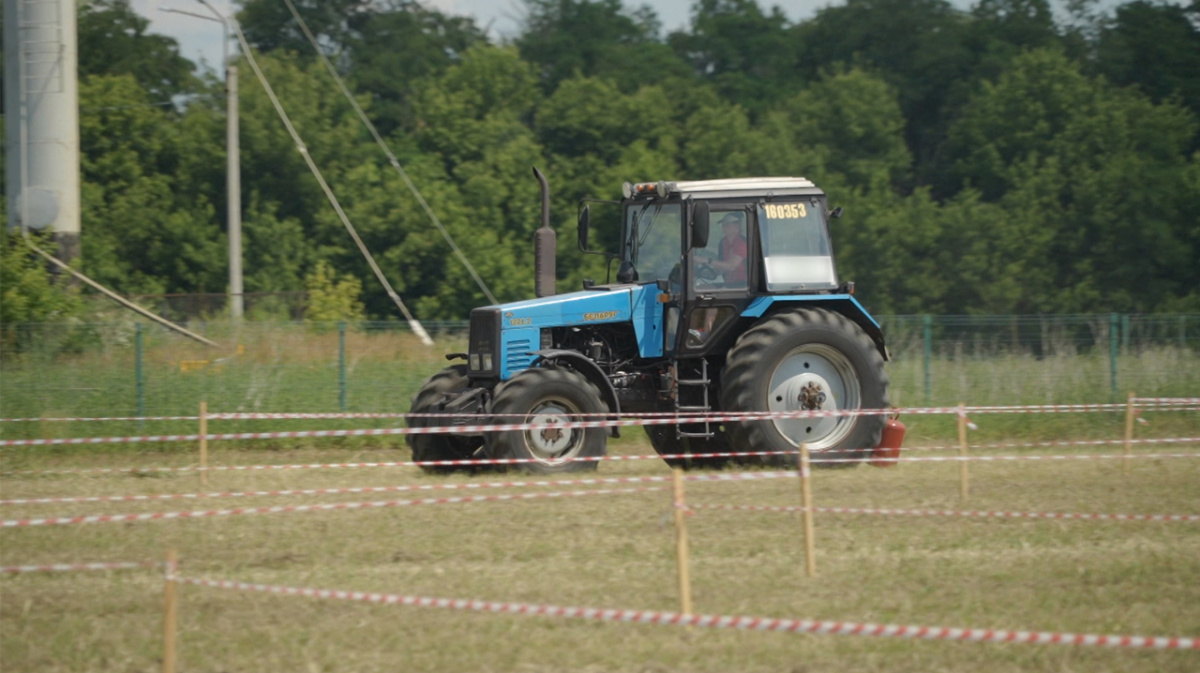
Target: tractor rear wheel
column 440, row 446
column 666, row 443
column 549, row 395
column 806, row 359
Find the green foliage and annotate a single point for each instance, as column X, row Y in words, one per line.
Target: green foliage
column 113, row 40
column 1091, row 178
column 145, row 228
column 744, row 53
column 593, row 38
column 1154, row 47
column 991, row 158
column 852, row 122
column 330, row 298
column 268, row 25
column 29, row 291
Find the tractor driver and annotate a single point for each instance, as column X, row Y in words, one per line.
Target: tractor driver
column 731, row 262
column 731, row 257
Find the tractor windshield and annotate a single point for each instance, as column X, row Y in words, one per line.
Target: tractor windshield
column 653, row 239
column 795, row 247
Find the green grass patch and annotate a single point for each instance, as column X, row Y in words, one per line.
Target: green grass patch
column 607, row 551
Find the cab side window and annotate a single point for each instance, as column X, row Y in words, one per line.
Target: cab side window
column 726, row 260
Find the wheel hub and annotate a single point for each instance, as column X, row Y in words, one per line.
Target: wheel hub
column 812, row 396
column 813, row 377
column 548, row 440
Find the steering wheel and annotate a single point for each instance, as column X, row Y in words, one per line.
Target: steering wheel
column 705, row 271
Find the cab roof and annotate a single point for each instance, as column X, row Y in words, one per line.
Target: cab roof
column 729, row 187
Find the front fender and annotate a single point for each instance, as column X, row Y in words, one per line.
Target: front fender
column 590, row 370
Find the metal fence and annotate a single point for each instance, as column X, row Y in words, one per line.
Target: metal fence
column 129, row 368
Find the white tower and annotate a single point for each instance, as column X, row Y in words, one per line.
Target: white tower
column 41, row 125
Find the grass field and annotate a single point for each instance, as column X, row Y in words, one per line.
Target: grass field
column 608, row 551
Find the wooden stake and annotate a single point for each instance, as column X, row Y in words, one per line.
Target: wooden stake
column 1130, row 415
column 171, row 612
column 964, row 489
column 681, row 540
column 204, row 443
column 810, row 545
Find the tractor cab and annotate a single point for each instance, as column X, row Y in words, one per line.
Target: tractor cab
column 715, row 246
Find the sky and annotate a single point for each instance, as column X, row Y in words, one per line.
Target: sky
column 201, row 40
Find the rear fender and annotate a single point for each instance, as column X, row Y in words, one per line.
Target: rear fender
column 845, row 304
column 591, row 371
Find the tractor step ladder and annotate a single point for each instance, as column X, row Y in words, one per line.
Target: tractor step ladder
column 706, row 407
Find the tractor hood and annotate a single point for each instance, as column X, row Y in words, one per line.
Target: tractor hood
column 505, row 337
column 614, row 303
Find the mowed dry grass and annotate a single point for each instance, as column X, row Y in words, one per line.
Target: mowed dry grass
column 609, row 551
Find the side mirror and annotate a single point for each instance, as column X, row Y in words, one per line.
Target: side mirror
column 626, row 273
column 700, row 225
column 584, row 220
column 836, row 213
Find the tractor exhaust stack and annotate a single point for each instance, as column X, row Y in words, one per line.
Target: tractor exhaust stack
column 545, row 242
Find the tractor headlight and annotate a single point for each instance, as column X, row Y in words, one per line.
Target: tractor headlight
column 474, row 362
column 487, row 362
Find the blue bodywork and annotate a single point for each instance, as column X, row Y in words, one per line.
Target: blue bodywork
column 521, row 322
column 845, row 304
column 762, row 304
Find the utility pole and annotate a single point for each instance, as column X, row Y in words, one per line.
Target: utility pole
column 233, row 188
column 233, row 170
column 41, row 133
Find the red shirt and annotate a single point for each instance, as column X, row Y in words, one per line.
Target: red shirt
column 729, row 250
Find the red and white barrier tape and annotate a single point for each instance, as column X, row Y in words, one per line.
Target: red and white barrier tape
column 100, row 440
column 80, row 419
column 1079, row 442
column 519, row 461
column 1167, row 402
column 627, row 420
column 403, row 463
column 384, row 432
column 723, row 622
column 65, row 567
column 158, row 516
column 989, row 459
column 1190, row 518
column 459, row 429
column 486, row 498
column 594, row 481
column 814, row 413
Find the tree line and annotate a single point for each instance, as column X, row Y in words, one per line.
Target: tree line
column 1016, row 156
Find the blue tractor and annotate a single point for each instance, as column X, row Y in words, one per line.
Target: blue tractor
column 753, row 319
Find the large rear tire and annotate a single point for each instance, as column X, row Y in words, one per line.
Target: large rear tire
column 665, row 443
column 806, row 359
column 548, row 395
column 439, row 447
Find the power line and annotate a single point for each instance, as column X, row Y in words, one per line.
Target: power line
column 312, row 166
column 388, row 152
column 110, row 294
column 164, row 103
column 186, row 98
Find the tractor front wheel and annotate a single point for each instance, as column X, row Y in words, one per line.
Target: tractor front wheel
column 438, row 447
column 806, row 360
column 549, row 396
